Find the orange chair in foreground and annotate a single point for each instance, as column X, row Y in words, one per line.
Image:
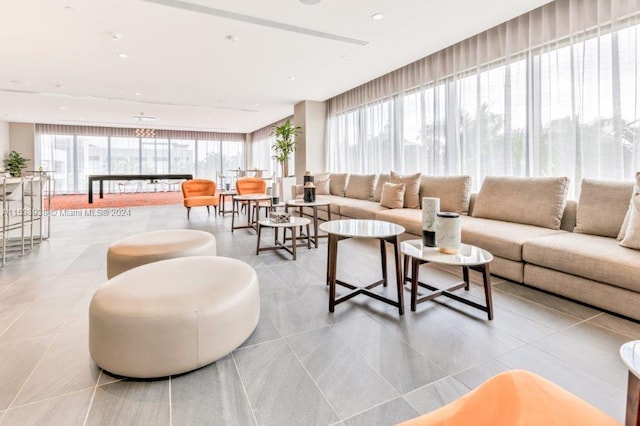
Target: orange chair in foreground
column 199, row 192
column 516, row 398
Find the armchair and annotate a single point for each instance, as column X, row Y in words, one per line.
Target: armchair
column 199, row 192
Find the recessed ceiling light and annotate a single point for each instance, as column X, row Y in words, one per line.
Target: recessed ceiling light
column 123, row 55
column 63, row 108
column 60, row 86
column 291, row 78
column 377, row 16
column 209, row 118
column 16, row 82
column 310, row 2
column 345, row 57
column 119, row 92
column 116, row 36
column 143, row 118
column 232, row 38
column 68, row 8
column 137, row 94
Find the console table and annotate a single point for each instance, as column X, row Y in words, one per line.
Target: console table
column 102, row 178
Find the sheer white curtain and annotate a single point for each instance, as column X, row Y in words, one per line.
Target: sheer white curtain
column 261, row 152
column 553, row 92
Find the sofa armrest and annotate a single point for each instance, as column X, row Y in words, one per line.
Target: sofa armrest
column 296, row 190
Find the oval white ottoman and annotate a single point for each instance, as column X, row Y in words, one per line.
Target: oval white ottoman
column 148, row 247
column 173, row 316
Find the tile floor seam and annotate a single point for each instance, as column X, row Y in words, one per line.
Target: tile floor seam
column 315, row 383
column 13, row 322
column 244, row 389
column 375, row 406
column 170, row 405
column 93, row 395
column 365, row 360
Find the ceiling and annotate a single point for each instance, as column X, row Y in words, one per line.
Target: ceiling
column 60, row 63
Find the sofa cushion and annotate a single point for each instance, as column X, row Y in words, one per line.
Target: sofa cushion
column 382, row 178
column 338, row 183
column 631, row 237
column 530, row 201
column 392, row 195
column 360, row 209
column 454, row 191
column 410, row 219
column 590, row 256
column 411, row 189
column 360, row 187
column 504, row 239
column 323, row 186
column 602, row 207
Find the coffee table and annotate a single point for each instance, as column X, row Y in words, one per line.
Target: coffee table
column 222, row 198
column 630, row 354
column 468, row 257
column 386, row 232
column 299, row 204
column 249, row 198
column 292, row 225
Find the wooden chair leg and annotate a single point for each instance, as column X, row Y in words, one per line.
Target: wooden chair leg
column 188, row 212
column 208, row 211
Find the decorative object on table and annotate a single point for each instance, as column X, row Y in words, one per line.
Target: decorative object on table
column 308, row 177
column 275, row 193
column 448, row 232
column 309, row 192
column 14, row 163
column 279, row 217
column 430, row 210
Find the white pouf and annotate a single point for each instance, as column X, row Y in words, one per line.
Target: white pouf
column 173, row 316
column 153, row 246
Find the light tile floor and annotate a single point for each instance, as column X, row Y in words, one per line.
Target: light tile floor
column 362, row 365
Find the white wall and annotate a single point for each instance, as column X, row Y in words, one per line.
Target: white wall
column 4, row 141
column 310, row 146
column 22, row 138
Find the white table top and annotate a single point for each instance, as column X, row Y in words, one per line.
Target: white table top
column 467, row 255
column 252, row 197
column 302, row 203
column 630, row 354
column 293, row 221
column 357, row 228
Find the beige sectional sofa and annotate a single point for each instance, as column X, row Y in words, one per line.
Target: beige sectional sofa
column 536, row 235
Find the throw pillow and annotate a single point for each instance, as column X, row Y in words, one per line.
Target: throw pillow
column 411, row 189
column 602, row 207
column 323, row 186
column 632, row 235
column 338, row 183
column 361, row 187
column 381, row 180
column 454, row 191
column 392, row 195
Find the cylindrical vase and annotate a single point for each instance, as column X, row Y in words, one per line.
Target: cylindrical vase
column 448, row 232
column 430, row 209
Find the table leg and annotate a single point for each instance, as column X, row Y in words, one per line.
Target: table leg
column 465, row 277
column 90, row 191
column 332, row 257
column 258, row 244
column 486, row 280
column 633, row 400
column 233, row 214
column 308, row 238
column 315, row 226
column 383, row 259
column 399, row 281
column 415, row 267
column 405, row 266
column 294, row 240
column 101, row 188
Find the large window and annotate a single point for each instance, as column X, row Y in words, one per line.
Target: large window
column 570, row 107
column 74, row 157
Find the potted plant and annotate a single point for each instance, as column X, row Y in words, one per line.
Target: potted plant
column 285, row 144
column 14, row 163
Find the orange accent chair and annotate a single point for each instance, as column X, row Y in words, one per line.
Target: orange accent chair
column 199, row 192
column 251, row 185
column 516, row 398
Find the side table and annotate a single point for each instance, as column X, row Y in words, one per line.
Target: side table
column 468, row 257
column 386, row 232
column 292, row 225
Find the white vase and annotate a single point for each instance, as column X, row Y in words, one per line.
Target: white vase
column 430, row 209
column 448, row 232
